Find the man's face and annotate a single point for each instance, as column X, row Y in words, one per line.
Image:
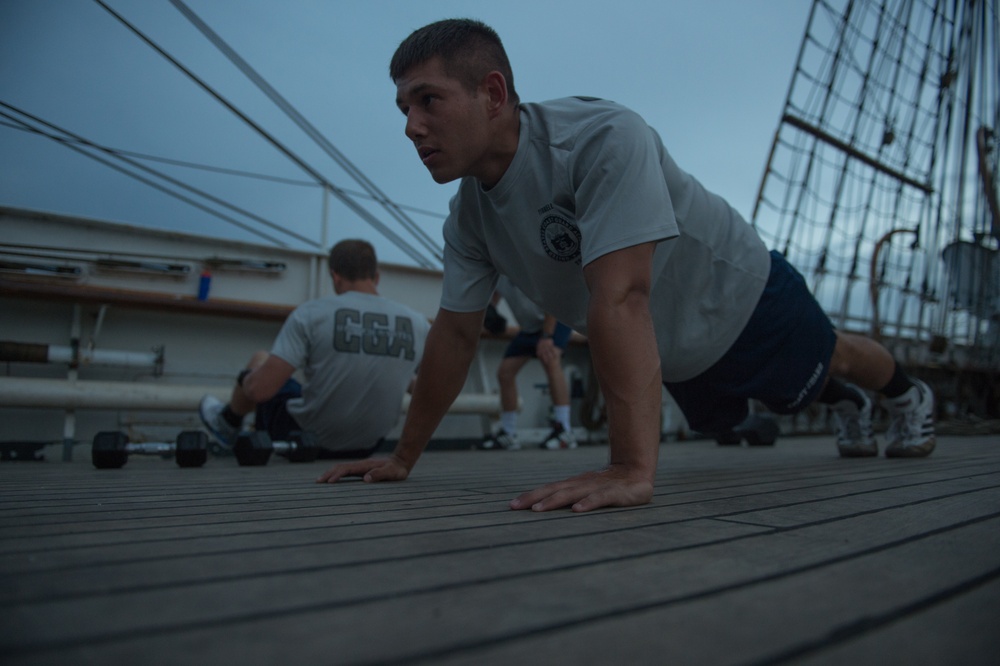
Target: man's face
column 447, row 124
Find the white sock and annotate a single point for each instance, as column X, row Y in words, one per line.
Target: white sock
column 561, row 414
column 508, row 421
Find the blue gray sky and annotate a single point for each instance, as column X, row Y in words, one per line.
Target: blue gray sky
column 711, row 76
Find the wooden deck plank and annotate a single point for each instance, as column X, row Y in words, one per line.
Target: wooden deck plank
column 151, row 562
column 958, row 630
column 351, row 551
column 796, row 615
column 547, row 600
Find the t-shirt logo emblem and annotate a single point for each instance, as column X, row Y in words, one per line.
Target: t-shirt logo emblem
column 560, row 239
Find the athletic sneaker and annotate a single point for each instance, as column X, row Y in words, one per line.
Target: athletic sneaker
column 854, row 427
column 210, row 410
column 911, row 428
column 559, row 438
column 500, row 440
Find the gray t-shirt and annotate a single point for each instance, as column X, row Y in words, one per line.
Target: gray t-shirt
column 591, row 177
column 530, row 318
column 358, row 353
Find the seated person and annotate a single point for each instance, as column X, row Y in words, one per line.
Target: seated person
column 358, row 353
column 544, row 338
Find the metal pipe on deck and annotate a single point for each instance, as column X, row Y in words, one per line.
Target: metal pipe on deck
column 92, row 394
column 28, row 352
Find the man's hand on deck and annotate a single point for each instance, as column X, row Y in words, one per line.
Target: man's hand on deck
column 371, row 470
column 617, row 485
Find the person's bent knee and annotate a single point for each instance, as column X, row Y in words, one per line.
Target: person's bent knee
column 553, row 364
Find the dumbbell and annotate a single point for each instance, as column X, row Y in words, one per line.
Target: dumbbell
column 111, row 449
column 254, row 448
column 757, row 430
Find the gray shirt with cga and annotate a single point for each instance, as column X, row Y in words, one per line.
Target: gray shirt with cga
column 358, row 353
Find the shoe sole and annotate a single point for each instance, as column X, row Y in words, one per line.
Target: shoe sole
column 559, row 447
column 855, row 452
column 921, row 451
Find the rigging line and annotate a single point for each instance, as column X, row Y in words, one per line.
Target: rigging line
column 350, row 203
column 415, row 209
column 311, row 130
column 146, row 181
column 301, row 121
column 215, row 169
column 237, row 172
column 169, row 179
column 193, row 165
column 419, row 234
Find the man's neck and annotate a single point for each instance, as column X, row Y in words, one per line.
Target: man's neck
column 508, row 137
column 361, row 286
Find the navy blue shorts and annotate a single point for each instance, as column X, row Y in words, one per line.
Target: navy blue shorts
column 272, row 415
column 273, row 418
column 524, row 344
column 781, row 358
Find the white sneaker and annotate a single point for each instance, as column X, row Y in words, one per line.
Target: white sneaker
column 500, row 440
column 559, row 438
column 210, row 410
column 854, row 427
column 911, row 428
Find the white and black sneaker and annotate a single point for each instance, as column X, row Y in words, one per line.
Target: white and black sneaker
column 911, row 425
column 559, row 438
column 854, row 427
column 210, row 410
column 501, row 440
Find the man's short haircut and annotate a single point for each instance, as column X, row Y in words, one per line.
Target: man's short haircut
column 354, row 260
column 469, row 48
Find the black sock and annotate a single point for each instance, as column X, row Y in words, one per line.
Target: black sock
column 231, row 417
column 898, row 385
column 835, row 391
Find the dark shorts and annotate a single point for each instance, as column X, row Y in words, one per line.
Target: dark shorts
column 781, row 358
column 524, row 344
column 272, row 417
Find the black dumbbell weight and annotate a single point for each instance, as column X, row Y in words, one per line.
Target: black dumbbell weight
column 254, row 448
column 111, row 449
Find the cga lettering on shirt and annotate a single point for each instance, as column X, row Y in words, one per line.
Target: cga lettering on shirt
column 356, row 332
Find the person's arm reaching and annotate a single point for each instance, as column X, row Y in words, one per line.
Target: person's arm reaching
column 264, row 381
column 448, row 353
column 623, row 350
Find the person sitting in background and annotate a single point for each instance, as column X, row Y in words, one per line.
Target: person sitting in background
column 358, row 352
column 541, row 337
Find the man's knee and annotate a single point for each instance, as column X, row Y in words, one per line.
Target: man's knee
column 861, row 359
column 553, row 364
column 507, row 371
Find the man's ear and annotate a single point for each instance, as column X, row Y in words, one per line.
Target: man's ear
column 494, row 86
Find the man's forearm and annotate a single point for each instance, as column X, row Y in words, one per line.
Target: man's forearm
column 625, row 357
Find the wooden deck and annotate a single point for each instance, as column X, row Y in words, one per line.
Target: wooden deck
column 747, row 556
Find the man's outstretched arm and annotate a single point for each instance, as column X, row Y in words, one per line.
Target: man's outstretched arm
column 448, row 353
column 625, row 357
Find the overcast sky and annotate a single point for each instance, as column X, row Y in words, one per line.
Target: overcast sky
column 710, row 75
